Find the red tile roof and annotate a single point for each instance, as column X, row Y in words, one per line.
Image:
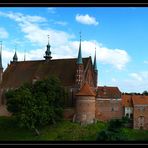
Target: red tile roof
column 24, row 71
column 108, row 92
column 127, row 100
column 140, row 100
column 130, row 100
column 85, row 91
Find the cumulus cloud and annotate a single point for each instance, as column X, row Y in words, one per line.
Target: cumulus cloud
column 136, row 76
column 3, row 33
column 116, row 57
column 19, row 17
column 86, row 19
column 61, row 43
column 136, row 82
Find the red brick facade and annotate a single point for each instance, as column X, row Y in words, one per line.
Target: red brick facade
column 107, row 109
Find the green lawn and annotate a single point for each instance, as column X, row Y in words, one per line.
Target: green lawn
column 65, row 130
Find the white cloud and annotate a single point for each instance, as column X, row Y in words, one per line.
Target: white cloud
column 116, row 57
column 61, row 44
column 62, row 23
column 86, row 19
column 3, row 33
column 52, row 10
column 19, row 17
column 136, row 76
column 136, row 82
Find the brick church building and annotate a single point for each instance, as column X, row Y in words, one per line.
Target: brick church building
column 87, row 102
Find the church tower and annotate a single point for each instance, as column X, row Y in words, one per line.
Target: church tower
column 95, row 70
column 1, row 67
column 48, row 52
column 80, row 68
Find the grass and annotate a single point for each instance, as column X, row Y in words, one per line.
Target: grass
column 63, row 131
column 135, row 134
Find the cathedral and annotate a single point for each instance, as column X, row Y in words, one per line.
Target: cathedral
column 87, row 102
column 73, row 73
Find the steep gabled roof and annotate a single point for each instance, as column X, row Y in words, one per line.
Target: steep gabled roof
column 85, row 91
column 108, row 92
column 24, row 71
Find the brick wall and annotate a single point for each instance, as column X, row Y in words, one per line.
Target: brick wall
column 85, row 109
column 140, row 117
column 108, row 109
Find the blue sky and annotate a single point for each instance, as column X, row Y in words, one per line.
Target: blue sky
column 119, row 34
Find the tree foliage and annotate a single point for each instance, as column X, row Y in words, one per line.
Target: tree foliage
column 145, row 93
column 36, row 105
column 113, row 131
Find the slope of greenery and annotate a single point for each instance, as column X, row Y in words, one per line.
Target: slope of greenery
column 63, row 131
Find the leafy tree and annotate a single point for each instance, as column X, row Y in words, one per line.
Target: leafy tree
column 36, row 105
column 145, row 93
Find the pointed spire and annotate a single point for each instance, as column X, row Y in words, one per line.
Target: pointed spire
column 48, row 52
column 95, row 63
column 1, row 67
column 79, row 59
column 15, row 59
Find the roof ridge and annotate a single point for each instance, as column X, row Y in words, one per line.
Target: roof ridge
column 86, row 91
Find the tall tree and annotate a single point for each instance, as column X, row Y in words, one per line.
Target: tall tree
column 36, row 105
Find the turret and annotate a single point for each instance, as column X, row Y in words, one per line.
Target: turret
column 85, row 105
column 48, row 52
column 80, row 68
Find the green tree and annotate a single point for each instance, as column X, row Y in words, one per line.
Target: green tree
column 36, row 105
column 113, row 131
column 145, row 93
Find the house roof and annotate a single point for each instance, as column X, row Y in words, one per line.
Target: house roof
column 127, row 100
column 25, row 71
column 108, row 92
column 140, row 100
column 86, row 91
